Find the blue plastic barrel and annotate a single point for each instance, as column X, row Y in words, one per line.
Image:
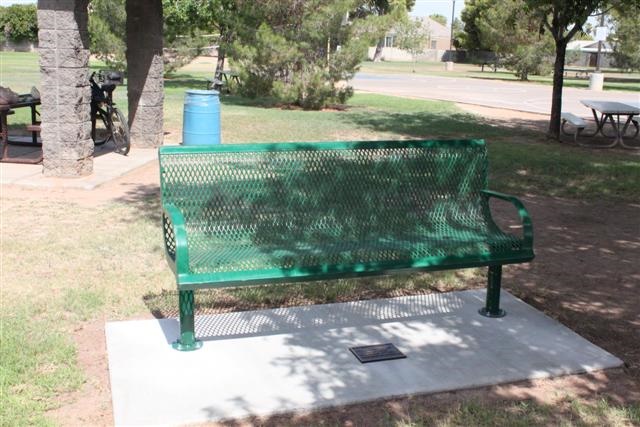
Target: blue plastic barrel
column 201, row 118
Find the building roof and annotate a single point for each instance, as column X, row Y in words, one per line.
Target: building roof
column 588, row 46
column 436, row 29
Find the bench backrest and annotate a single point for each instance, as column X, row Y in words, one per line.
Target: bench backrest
column 347, row 191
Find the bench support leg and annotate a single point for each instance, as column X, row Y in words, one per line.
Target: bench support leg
column 187, row 340
column 492, row 307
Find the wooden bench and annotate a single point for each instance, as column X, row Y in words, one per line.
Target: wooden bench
column 578, row 123
column 288, row 212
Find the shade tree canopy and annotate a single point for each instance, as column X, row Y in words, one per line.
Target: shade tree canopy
column 558, row 20
column 18, row 23
column 625, row 37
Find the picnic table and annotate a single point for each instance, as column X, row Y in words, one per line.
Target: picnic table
column 607, row 110
column 579, row 73
column 25, row 101
column 222, row 82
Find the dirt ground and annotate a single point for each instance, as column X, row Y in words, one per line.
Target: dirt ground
column 586, row 275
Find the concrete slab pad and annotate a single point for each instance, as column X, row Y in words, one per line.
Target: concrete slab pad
column 270, row 361
column 106, row 167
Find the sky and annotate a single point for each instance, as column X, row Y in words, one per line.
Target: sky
column 443, row 7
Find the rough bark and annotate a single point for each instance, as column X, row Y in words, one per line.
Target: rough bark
column 377, row 56
column 65, row 110
column 224, row 40
column 558, row 82
column 220, row 63
column 145, row 88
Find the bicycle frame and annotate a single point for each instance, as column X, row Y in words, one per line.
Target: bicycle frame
column 100, row 97
column 103, row 107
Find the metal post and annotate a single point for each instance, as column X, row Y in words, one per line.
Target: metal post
column 453, row 14
column 492, row 307
column 187, row 340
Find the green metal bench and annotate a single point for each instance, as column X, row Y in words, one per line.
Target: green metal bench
column 266, row 213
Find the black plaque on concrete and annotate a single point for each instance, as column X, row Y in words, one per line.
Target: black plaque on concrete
column 377, row 352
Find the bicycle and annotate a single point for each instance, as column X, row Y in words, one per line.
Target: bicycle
column 107, row 122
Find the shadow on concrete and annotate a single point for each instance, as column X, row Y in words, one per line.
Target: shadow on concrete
column 586, row 272
column 585, row 276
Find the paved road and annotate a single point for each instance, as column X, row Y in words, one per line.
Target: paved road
column 533, row 98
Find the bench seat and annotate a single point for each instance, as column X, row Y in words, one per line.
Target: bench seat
column 251, row 214
column 223, row 263
column 574, row 120
column 578, row 123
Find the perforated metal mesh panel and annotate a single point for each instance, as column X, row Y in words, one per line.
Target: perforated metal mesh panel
column 294, row 209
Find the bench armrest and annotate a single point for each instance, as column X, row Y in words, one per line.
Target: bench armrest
column 527, row 225
column 175, row 238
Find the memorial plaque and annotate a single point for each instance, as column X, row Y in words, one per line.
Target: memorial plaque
column 377, row 353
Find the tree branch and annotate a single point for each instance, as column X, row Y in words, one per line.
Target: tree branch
column 572, row 32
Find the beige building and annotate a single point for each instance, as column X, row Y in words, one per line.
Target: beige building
column 438, row 41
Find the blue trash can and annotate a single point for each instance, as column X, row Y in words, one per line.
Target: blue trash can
column 201, row 118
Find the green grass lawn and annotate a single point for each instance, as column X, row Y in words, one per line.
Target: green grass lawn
column 474, row 71
column 78, row 264
column 520, row 159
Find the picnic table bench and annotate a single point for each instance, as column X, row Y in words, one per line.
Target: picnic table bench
column 251, row 214
column 222, row 83
column 579, row 73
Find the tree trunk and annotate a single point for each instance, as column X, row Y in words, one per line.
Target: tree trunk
column 378, row 54
column 220, row 63
column 222, row 51
column 558, row 81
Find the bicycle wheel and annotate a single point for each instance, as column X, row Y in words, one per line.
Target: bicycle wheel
column 119, row 132
column 102, row 132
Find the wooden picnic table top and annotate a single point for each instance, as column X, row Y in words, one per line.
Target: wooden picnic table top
column 611, row 107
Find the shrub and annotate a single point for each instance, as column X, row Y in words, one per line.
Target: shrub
column 301, row 54
column 527, row 60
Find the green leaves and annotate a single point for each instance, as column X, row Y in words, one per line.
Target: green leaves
column 511, row 32
column 107, row 30
column 626, row 38
column 19, row 22
column 300, row 51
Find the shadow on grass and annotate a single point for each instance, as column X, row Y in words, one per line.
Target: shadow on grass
column 423, row 124
column 583, row 276
column 185, row 82
column 164, row 304
column 145, row 199
column 434, row 125
column 478, row 407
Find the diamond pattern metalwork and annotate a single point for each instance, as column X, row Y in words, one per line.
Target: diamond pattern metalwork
column 278, row 210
